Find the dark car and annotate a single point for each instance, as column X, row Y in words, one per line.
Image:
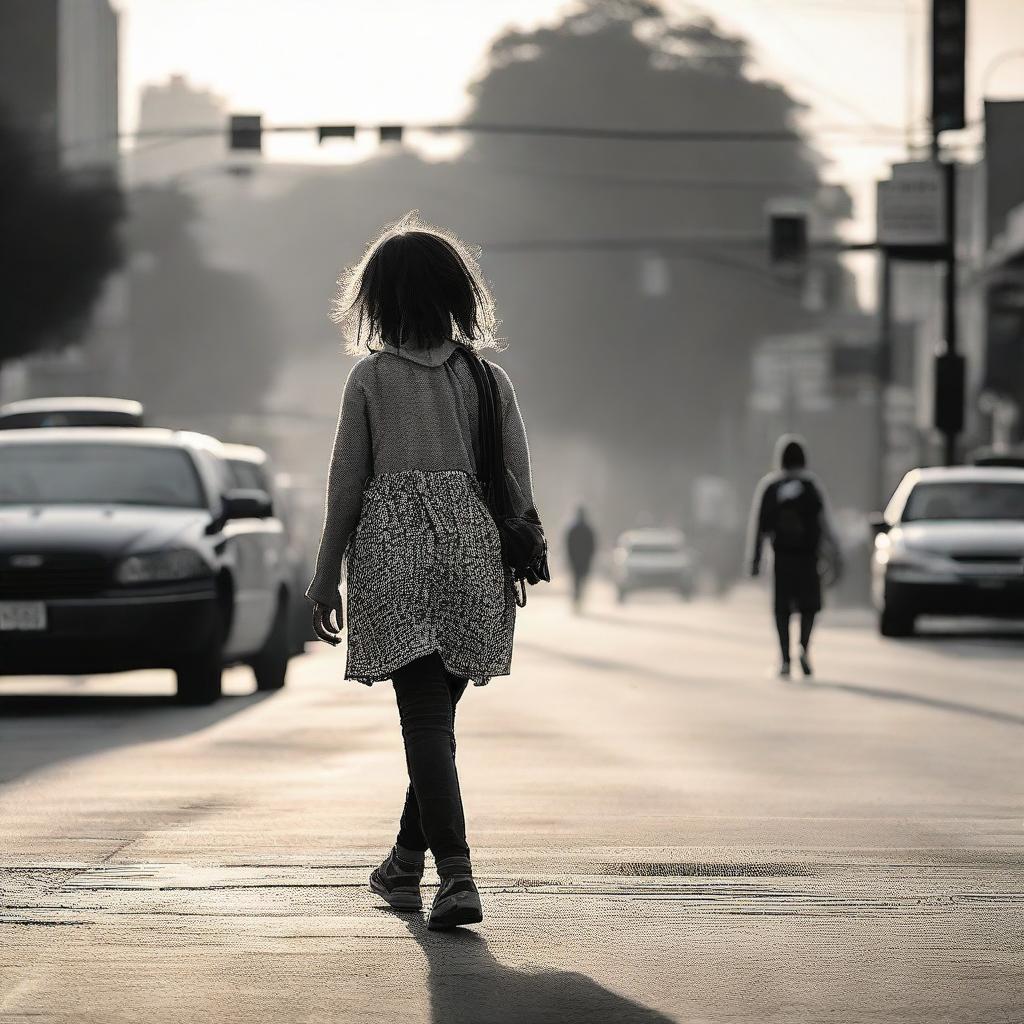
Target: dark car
column 128, row 549
column 71, row 412
column 951, row 542
column 1013, row 457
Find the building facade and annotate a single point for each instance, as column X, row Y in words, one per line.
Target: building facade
column 59, row 90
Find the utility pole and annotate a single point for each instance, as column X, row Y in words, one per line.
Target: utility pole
column 949, row 46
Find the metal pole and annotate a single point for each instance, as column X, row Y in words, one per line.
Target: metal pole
column 949, row 316
column 884, row 371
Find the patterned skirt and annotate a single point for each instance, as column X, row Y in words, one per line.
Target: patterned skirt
column 424, row 573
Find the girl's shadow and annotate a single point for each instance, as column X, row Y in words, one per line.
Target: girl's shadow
column 467, row 984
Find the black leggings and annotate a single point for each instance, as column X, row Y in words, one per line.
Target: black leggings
column 433, row 817
column 782, row 624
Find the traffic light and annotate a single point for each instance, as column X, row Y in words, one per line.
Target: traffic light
column 787, row 240
column 949, row 393
column 335, row 131
column 245, row 132
column 949, row 45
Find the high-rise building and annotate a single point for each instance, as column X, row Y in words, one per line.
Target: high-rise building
column 177, row 106
column 1004, row 266
column 59, row 90
column 60, row 79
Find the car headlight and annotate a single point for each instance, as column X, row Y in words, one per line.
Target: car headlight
column 162, row 566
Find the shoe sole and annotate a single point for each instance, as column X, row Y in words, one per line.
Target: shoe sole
column 462, row 908
column 402, row 898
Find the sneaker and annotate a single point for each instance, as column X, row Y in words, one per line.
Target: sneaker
column 397, row 881
column 805, row 663
column 457, row 902
column 784, row 670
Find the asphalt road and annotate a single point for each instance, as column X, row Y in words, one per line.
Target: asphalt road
column 662, row 832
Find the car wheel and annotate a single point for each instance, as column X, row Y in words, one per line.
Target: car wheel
column 270, row 666
column 895, row 624
column 621, row 594
column 686, row 591
column 199, row 678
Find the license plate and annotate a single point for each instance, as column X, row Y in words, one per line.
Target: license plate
column 22, row 615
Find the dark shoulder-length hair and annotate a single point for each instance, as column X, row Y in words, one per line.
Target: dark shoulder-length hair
column 416, row 286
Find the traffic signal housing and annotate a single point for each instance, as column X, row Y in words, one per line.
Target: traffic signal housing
column 949, row 48
column 949, row 393
column 787, row 239
column 245, row 132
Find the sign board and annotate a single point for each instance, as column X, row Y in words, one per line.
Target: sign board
column 911, row 206
column 792, row 371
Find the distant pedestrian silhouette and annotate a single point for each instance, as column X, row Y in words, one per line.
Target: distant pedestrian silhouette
column 791, row 509
column 580, row 544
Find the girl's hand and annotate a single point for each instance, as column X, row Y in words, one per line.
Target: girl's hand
column 326, row 628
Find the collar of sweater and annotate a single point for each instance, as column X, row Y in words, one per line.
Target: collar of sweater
column 424, row 356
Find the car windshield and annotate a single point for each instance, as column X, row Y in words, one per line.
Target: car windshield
column 654, row 547
column 965, row 499
column 98, row 474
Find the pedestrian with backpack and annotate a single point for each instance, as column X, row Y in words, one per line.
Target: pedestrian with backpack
column 791, row 509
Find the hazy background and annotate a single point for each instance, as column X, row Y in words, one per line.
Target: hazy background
column 656, row 352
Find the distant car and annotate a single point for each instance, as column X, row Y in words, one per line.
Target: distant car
column 951, row 542
column 71, row 412
column 998, row 457
column 128, row 549
column 653, row 559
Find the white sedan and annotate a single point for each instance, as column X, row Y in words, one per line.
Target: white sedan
column 950, row 542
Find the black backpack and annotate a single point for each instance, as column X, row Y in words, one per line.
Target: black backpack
column 523, row 545
column 797, row 518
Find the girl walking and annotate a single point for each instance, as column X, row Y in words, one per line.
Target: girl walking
column 431, row 600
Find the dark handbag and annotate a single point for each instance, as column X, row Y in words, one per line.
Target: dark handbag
column 524, row 548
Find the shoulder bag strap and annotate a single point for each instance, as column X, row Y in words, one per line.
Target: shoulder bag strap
column 499, row 481
column 485, row 419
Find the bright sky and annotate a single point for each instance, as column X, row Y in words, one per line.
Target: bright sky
column 856, row 63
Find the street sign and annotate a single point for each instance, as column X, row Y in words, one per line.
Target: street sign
column 792, row 372
column 911, row 208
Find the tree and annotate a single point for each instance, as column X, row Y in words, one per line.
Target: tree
column 205, row 340
column 633, row 357
column 671, row 357
column 60, row 242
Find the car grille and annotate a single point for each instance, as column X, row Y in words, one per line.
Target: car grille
column 56, row 576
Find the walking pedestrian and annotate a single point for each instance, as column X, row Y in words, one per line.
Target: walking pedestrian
column 580, row 545
column 431, row 601
column 791, row 508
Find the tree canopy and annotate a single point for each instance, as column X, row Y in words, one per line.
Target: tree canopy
column 60, row 242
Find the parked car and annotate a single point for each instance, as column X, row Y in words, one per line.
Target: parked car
column 71, row 412
column 653, row 559
column 128, row 549
column 950, row 542
column 251, row 468
column 998, row 457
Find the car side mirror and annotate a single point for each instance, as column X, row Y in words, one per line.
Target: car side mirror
column 246, row 504
column 878, row 524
